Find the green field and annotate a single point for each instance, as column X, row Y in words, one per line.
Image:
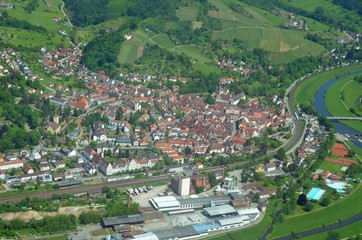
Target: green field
column 297, row 223
column 128, row 53
column 352, row 93
column 187, row 13
column 344, row 232
column 332, row 167
column 271, row 18
column 27, row 38
column 193, row 52
column 311, row 5
column 43, row 15
column 251, row 36
column 356, row 149
column 163, row 40
column 335, row 104
column 305, row 94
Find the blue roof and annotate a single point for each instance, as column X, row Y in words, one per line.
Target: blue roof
column 204, row 227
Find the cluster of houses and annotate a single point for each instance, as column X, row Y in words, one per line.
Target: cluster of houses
column 351, row 37
column 39, row 166
column 6, row 5
column 94, row 156
column 183, row 124
column 11, row 60
column 292, row 22
column 232, row 64
column 227, row 121
column 314, row 135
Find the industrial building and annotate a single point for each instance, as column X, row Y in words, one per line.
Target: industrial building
column 218, row 211
column 130, row 219
column 170, row 203
column 181, row 185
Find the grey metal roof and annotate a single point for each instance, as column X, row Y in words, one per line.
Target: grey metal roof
column 176, row 232
column 220, row 210
column 201, row 200
column 130, row 219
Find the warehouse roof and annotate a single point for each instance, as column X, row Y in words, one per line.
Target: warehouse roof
column 130, row 219
column 220, row 210
column 233, row 220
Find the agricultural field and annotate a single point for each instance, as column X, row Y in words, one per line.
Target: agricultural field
column 163, row 40
column 128, row 53
column 251, row 36
column 193, row 52
column 311, row 5
column 283, row 45
column 187, row 13
column 271, row 18
column 347, row 207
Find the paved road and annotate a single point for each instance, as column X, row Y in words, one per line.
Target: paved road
column 330, row 227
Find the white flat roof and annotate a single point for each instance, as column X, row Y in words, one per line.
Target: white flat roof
column 164, row 199
column 165, row 202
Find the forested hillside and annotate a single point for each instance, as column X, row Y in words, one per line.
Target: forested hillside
column 353, row 5
column 87, row 12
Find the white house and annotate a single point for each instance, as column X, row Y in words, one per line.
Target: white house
column 12, row 164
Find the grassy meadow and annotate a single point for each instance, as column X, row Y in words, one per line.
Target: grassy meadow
column 306, row 92
column 344, row 232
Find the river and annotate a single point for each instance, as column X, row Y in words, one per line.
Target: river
column 320, row 106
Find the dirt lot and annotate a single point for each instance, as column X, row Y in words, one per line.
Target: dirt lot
column 26, row 216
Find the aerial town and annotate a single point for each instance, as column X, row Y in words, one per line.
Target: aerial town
column 170, row 120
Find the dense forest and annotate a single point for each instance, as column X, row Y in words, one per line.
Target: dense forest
column 352, row 5
column 89, row 12
column 102, row 52
column 18, row 117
